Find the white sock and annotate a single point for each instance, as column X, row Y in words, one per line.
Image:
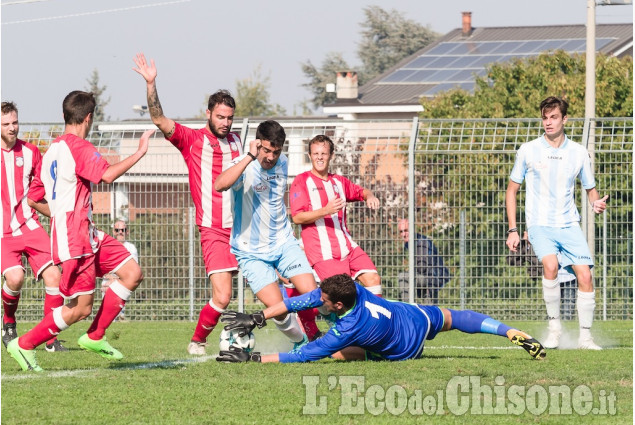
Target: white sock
column 586, row 308
column 121, row 291
column 290, row 327
column 59, row 320
column 551, row 295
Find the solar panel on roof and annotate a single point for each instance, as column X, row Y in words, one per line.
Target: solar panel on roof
column 460, row 49
column 417, row 76
column 530, row 46
column 421, row 62
column 443, row 62
column 397, row 76
column 552, row 45
column 601, row 42
column 487, row 47
column 465, row 61
column 484, row 60
column 574, row 46
column 507, row 47
column 441, row 49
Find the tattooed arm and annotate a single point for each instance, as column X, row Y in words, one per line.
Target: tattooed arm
column 149, row 73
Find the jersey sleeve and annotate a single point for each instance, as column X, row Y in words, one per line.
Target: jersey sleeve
column 298, row 196
column 238, row 184
column 304, row 301
column 586, row 173
column 354, row 192
column 36, row 187
column 182, row 138
column 520, row 167
column 89, row 164
column 325, row 346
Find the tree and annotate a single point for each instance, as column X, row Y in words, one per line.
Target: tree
column 516, row 88
column 318, row 78
column 98, row 92
column 387, row 37
column 252, row 96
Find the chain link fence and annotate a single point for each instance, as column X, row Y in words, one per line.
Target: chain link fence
column 447, row 177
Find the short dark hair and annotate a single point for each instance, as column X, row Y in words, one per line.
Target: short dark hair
column 273, row 132
column 8, row 107
column 321, row 138
column 554, row 102
column 77, row 105
column 221, row 97
column 340, row 288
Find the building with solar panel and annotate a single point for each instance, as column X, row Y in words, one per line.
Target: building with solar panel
column 457, row 58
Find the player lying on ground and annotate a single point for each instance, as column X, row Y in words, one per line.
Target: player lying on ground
column 369, row 327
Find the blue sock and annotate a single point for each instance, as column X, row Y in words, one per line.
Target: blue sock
column 471, row 322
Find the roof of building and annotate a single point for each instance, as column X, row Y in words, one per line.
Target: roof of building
column 455, row 59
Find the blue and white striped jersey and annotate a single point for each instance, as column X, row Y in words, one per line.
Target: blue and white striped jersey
column 550, row 174
column 260, row 215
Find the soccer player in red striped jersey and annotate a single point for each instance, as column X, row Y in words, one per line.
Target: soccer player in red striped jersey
column 206, row 152
column 22, row 232
column 63, row 185
column 318, row 203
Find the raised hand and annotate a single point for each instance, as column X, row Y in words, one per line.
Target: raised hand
column 145, row 140
column 147, row 71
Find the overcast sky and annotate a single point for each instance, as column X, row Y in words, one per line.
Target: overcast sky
column 50, row 47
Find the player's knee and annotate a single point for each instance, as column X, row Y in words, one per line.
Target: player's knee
column 221, row 300
column 370, row 279
column 14, row 279
column 51, row 276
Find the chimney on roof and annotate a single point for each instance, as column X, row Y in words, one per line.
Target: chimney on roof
column 346, row 85
column 467, row 24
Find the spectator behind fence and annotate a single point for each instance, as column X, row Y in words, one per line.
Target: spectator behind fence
column 430, row 272
column 525, row 256
column 120, row 232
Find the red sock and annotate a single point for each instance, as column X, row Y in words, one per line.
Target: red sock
column 10, row 304
column 51, row 302
column 110, row 308
column 306, row 317
column 40, row 333
column 207, row 320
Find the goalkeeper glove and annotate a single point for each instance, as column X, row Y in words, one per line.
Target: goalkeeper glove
column 236, row 355
column 245, row 323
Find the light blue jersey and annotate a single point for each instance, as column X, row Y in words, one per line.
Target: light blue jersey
column 550, row 174
column 387, row 330
column 260, row 224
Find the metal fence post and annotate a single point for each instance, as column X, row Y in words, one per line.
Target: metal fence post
column 604, row 266
column 462, row 259
column 190, row 237
column 240, row 280
column 411, row 209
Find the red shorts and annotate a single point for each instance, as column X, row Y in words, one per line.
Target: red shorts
column 35, row 244
column 216, row 254
column 356, row 262
column 79, row 274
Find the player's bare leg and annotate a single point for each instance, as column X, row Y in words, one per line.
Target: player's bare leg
column 371, row 281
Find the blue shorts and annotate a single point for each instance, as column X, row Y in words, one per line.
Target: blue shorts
column 568, row 241
column 260, row 269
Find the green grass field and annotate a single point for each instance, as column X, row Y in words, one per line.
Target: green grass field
column 457, row 381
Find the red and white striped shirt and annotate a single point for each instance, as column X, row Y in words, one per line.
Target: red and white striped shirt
column 206, row 157
column 19, row 165
column 327, row 238
column 69, row 167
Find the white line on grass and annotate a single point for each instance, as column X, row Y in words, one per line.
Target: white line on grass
column 80, row 372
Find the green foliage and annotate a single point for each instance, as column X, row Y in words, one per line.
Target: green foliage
column 252, row 96
column 319, row 78
column 98, row 91
column 158, row 383
column 515, row 89
column 387, row 37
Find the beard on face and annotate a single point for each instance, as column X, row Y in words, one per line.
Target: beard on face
column 216, row 132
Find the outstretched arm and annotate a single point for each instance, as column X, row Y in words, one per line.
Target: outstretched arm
column 114, row 171
column 513, row 238
column 149, row 73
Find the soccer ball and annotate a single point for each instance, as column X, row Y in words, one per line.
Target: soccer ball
column 231, row 338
